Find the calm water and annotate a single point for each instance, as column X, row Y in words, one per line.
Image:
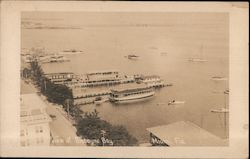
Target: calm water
column 105, row 48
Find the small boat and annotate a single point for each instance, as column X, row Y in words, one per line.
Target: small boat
column 197, row 60
column 200, row 59
column 164, row 53
column 221, row 110
column 133, row 57
column 226, row 91
column 71, row 52
column 161, row 103
column 100, row 100
column 219, row 78
column 175, row 102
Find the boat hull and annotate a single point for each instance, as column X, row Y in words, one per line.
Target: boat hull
column 133, row 98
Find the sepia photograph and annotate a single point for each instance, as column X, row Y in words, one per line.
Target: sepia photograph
column 105, row 79
column 124, row 79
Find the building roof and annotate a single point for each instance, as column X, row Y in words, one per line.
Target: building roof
column 185, row 133
column 130, row 86
column 59, row 73
column 33, row 109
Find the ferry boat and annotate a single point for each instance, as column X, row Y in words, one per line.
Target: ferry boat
column 131, row 94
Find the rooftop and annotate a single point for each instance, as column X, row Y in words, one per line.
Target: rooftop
column 32, row 109
column 129, row 86
column 58, row 73
column 185, row 133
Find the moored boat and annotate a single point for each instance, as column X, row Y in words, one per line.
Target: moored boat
column 174, row 102
column 131, row 94
column 219, row 78
column 221, row 110
column 133, row 57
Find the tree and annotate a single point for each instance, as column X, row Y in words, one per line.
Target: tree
column 91, row 127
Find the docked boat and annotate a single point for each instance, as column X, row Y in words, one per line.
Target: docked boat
column 197, row 60
column 71, row 52
column 174, row 102
column 221, row 110
column 54, row 59
column 131, row 94
column 100, row 100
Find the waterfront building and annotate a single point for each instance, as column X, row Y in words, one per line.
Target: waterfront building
column 61, row 77
column 34, row 128
column 126, row 93
column 183, row 133
column 97, row 78
column 151, row 78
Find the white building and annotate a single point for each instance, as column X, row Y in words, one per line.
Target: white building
column 34, row 128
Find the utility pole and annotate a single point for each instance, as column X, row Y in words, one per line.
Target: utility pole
column 68, row 107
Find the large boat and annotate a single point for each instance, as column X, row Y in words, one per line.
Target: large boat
column 135, row 93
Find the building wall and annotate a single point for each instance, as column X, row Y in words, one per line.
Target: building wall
column 35, row 135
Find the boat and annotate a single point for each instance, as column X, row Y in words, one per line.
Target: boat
column 131, row 94
column 174, row 102
column 219, row 78
column 196, row 60
column 221, row 110
column 54, row 59
column 226, row 91
column 71, row 52
column 100, row 100
column 161, row 103
column 199, row 59
column 164, row 53
column 133, row 57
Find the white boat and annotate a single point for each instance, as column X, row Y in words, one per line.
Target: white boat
column 221, row 110
column 71, row 52
column 131, row 94
column 54, row 59
column 219, row 78
column 199, row 59
column 174, row 102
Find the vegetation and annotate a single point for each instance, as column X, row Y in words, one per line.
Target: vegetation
column 55, row 93
column 92, row 127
